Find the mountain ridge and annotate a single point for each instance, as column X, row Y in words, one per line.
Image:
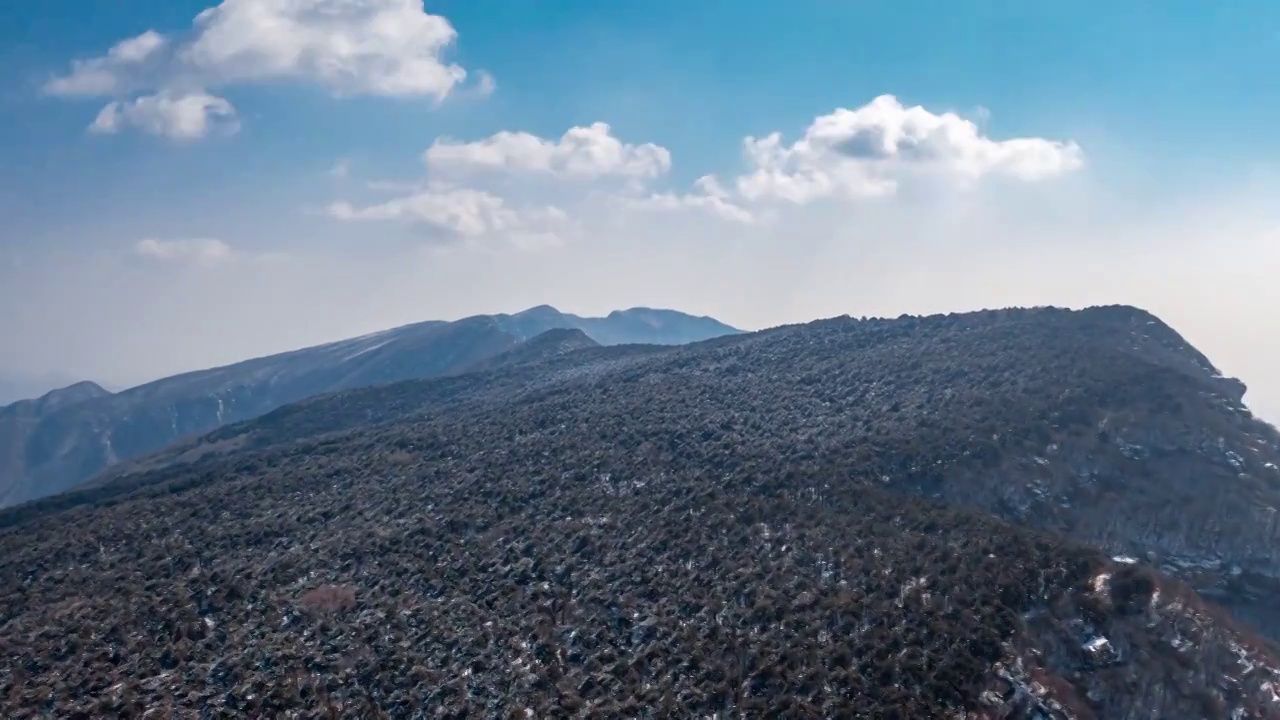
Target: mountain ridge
column 62, row 446
column 18, row 386
column 60, row 397
column 1151, row 407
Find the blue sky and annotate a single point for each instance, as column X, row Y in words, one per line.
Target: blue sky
column 294, row 201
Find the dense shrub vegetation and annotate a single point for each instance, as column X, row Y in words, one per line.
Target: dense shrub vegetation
column 753, row 526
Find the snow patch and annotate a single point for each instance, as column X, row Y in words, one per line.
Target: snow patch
column 1097, row 644
column 364, row 350
column 1101, row 582
column 1235, row 459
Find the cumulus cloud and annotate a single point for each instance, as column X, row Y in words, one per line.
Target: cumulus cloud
column 465, row 196
column 708, row 196
column 581, row 152
column 468, row 194
column 198, row 251
column 850, row 154
column 350, row 47
column 138, row 49
column 185, row 116
column 377, row 47
column 869, row 151
column 461, row 213
column 109, row 74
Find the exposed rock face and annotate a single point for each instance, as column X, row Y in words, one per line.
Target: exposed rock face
column 739, row 526
column 79, row 433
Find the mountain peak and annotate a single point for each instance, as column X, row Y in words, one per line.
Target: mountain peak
column 645, row 310
column 662, row 326
column 551, row 343
column 70, row 395
column 563, row 335
column 538, row 311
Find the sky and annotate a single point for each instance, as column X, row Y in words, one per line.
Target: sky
column 187, row 183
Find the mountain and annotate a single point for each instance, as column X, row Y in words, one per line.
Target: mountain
column 21, row 419
column 57, row 399
column 1103, row 425
column 647, row 326
column 63, row 447
column 539, row 348
column 650, row 326
column 1005, row 514
column 15, row 387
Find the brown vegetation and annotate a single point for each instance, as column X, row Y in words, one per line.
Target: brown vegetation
column 329, row 598
column 735, row 528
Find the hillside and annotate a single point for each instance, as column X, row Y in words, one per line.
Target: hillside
column 62, row 447
column 794, row 522
column 21, row 419
column 1103, row 425
column 540, row 348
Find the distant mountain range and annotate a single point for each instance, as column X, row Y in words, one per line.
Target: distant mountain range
column 67, row 436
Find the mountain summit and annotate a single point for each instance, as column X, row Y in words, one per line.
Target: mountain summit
column 73, row 434
column 621, row 327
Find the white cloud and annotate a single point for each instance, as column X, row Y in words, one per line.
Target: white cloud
column 485, row 83
column 708, row 196
column 864, row 153
column 460, row 213
column 349, row 47
column 466, row 196
column 378, row 47
column 199, row 251
column 177, row 116
column 581, row 152
column 860, row 153
column 108, row 75
column 869, row 151
column 137, row 49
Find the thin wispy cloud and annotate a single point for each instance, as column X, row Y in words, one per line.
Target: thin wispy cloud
column 198, row 251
